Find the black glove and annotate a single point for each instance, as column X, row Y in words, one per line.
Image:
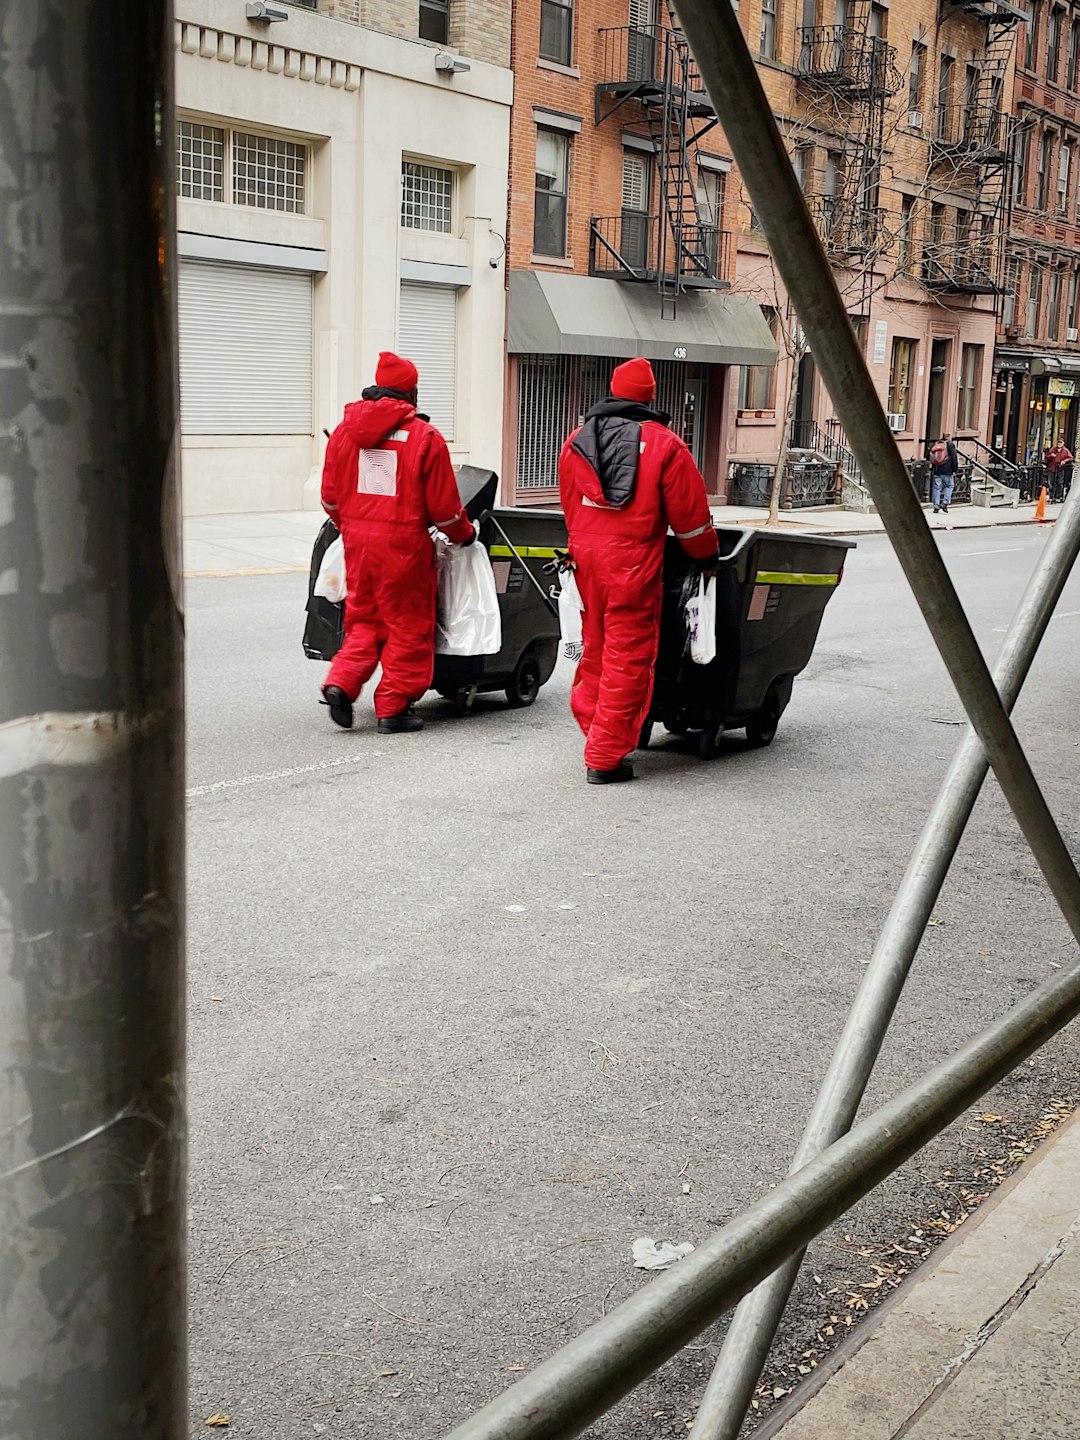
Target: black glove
column 470, row 541
column 710, row 567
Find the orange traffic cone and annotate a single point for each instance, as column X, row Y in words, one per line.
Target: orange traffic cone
column 1040, row 508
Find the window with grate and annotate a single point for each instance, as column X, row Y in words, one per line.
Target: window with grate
column 200, row 161
column 427, row 198
column 435, row 21
column 556, row 30
column 269, row 174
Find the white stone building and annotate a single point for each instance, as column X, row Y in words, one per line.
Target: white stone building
column 342, row 190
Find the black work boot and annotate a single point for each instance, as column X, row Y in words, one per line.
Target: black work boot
column 623, row 771
column 340, row 706
column 403, row 724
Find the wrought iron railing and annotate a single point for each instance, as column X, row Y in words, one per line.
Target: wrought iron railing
column 972, row 135
column 625, row 247
column 829, row 441
column 806, row 483
column 848, row 60
column 845, row 228
column 960, row 263
column 636, row 55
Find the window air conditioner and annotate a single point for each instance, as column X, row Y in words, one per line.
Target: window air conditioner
column 897, row 422
column 1072, row 334
column 914, row 119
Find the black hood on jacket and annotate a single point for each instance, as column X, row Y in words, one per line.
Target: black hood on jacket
column 610, row 443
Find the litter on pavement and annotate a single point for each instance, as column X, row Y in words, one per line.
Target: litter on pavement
column 650, row 1254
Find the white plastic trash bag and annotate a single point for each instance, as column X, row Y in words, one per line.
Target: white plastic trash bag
column 701, row 622
column 570, row 608
column 468, row 620
column 330, row 583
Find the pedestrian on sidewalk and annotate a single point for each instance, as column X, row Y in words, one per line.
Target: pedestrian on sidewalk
column 387, row 480
column 944, row 466
column 1058, row 460
column 624, row 477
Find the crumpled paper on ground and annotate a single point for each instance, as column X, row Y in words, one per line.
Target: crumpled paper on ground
column 650, row 1254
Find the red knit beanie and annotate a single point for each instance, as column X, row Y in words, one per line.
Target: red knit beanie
column 395, row 373
column 634, row 380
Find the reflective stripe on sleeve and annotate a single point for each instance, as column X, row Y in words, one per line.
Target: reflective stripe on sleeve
column 442, row 524
column 693, row 534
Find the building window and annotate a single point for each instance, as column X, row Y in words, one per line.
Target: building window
column 903, row 360
column 427, row 333
column 1034, row 299
column 710, row 196
column 757, row 383
column 427, row 196
column 1042, row 177
column 634, row 240
column 1053, row 307
column 1073, row 77
column 1023, row 138
column 1029, row 39
column 971, row 361
column 803, row 163
column 200, row 161
column 768, row 29
column 1053, row 44
column 879, row 18
column 944, row 92
column 918, row 53
column 905, row 247
column 552, row 174
column 971, row 101
column 1008, row 303
column 556, row 31
column 1064, row 171
column 1074, row 296
column 267, row 173
column 435, row 21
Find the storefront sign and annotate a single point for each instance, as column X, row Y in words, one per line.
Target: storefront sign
column 1057, row 385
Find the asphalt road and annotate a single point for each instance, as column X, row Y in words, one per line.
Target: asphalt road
column 462, row 1028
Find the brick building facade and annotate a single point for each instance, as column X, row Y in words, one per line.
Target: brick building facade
column 1038, row 361
column 622, row 214
column 897, row 120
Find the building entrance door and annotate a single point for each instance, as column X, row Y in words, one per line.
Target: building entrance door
column 935, row 396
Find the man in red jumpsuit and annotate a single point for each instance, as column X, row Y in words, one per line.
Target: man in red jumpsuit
column 387, row 478
column 624, row 477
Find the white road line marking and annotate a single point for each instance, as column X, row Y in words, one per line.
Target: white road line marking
column 264, row 779
column 1004, row 550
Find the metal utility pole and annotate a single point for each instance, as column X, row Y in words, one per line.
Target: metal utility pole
column 92, row 1330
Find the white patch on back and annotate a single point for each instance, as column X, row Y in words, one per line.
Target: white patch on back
column 377, row 473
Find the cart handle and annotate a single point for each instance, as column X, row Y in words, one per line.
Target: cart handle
column 489, row 515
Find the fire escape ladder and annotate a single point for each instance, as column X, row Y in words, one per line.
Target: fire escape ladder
column 678, row 243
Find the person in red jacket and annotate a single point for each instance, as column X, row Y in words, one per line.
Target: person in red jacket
column 386, row 480
column 624, row 477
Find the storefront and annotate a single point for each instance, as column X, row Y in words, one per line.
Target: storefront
column 1052, row 405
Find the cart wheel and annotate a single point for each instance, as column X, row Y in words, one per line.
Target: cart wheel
column 645, row 736
column 709, row 742
column 525, row 684
column 676, row 727
column 761, row 728
column 462, row 700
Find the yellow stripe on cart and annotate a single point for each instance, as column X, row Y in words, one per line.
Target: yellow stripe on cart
column 792, row 577
column 527, row 552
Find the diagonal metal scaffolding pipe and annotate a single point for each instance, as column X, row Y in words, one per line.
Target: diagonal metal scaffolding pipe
column 733, row 84
column 591, row 1373
column 92, row 1152
column 746, row 1345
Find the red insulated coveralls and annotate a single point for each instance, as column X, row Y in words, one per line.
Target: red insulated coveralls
column 618, row 550
column 387, row 478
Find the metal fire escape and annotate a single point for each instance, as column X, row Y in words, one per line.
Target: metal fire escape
column 972, row 153
column 851, row 74
column 680, row 246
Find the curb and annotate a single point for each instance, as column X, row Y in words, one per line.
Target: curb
column 246, row 570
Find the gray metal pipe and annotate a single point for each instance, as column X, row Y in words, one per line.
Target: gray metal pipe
column 733, row 83
column 746, row 1345
column 91, row 744
column 566, row 1392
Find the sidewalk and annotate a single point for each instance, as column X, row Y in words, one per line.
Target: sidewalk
column 983, row 1343
column 280, row 544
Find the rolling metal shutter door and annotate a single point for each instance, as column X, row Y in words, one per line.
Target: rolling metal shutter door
column 427, row 335
column 245, row 350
